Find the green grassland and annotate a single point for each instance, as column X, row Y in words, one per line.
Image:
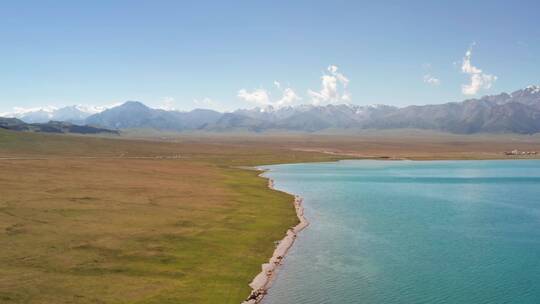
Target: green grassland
column 83, row 222
column 171, row 218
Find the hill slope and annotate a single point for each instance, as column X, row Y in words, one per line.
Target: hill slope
column 15, row 124
column 134, row 114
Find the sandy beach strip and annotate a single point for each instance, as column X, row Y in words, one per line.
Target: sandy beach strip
column 263, row 281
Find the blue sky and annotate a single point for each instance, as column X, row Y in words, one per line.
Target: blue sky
column 230, row 54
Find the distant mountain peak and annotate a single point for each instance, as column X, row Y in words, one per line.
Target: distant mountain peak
column 517, row 112
column 135, row 114
column 86, row 109
column 74, row 113
column 529, row 90
column 134, row 104
column 533, row 89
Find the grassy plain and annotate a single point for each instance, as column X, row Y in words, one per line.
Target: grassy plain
column 174, row 220
column 82, row 222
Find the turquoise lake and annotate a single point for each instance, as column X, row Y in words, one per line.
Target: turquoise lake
column 413, row 232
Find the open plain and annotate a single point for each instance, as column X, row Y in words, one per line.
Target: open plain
column 176, row 220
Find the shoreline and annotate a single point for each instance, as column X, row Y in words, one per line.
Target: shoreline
column 262, row 282
column 434, row 157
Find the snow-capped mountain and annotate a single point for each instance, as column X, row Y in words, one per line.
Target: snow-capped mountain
column 134, row 114
column 518, row 112
column 74, row 114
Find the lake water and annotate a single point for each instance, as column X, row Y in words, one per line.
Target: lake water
column 413, row 232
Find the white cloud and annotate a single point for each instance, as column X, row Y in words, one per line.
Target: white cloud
column 330, row 88
column 428, row 76
column 334, row 89
column 431, row 80
column 478, row 79
column 258, row 96
column 263, row 98
column 346, row 97
column 289, row 97
column 167, row 103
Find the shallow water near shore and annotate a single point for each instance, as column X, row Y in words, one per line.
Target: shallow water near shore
column 413, row 232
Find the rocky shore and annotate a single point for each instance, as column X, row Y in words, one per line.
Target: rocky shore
column 262, row 282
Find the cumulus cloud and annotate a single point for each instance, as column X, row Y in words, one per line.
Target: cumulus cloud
column 259, row 96
column 289, row 98
column 478, row 79
column 263, row 98
column 334, row 88
column 431, row 80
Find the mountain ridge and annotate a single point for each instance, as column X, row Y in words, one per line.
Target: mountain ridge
column 517, row 112
column 74, row 114
column 15, row 124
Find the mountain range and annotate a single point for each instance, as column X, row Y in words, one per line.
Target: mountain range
column 518, row 112
column 74, row 114
column 15, row 124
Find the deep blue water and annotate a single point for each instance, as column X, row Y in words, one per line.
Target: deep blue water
column 413, row 232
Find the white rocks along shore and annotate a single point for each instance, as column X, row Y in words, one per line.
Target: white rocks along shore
column 262, row 282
